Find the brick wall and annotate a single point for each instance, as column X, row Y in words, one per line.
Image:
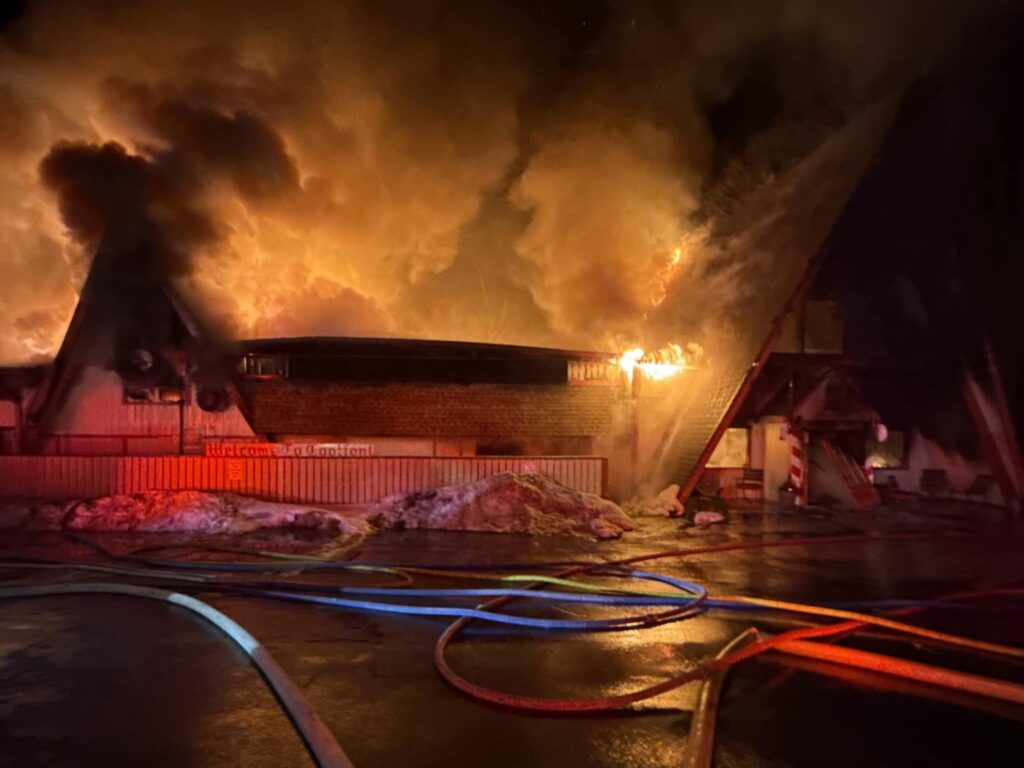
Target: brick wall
column 442, row 410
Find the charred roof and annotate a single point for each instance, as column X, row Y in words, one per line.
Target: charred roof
column 371, row 360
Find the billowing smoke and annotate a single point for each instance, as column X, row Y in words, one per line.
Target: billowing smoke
column 150, row 211
column 477, row 169
column 101, row 187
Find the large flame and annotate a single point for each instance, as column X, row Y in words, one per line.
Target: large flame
column 657, row 365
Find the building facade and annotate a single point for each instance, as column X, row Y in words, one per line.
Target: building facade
column 183, row 394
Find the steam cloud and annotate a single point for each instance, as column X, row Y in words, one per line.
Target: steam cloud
column 484, row 170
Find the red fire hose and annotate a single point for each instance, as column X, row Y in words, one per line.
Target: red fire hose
column 998, row 689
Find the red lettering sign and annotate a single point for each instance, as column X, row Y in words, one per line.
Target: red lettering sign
column 291, row 450
column 240, row 450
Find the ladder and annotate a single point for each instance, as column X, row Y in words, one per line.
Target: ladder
column 862, row 490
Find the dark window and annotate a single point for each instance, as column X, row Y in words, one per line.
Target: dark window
column 823, row 328
column 264, row 366
column 138, row 395
column 153, row 395
column 891, row 454
column 840, row 397
column 8, row 443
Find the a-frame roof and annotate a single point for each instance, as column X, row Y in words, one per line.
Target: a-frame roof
column 90, row 327
column 767, row 254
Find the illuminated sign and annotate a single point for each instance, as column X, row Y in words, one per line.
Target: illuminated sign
column 287, row 450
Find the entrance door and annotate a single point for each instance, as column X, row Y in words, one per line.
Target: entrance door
column 777, row 459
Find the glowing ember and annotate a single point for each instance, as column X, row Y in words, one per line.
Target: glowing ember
column 657, row 365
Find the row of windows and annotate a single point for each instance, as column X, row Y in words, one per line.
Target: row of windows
column 255, row 366
column 154, row 395
column 592, row 370
column 264, row 366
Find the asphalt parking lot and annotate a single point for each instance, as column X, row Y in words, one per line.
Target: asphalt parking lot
column 101, row 681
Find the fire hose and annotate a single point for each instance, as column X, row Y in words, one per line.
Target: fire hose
column 700, row 747
column 1012, row 692
column 686, row 600
column 318, row 739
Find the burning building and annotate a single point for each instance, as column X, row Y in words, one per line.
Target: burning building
column 156, row 384
column 597, row 233
column 169, row 389
column 140, row 374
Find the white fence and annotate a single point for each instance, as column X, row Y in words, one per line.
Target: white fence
column 323, row 481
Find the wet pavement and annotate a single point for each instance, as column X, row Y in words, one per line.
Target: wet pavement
column 102, row 681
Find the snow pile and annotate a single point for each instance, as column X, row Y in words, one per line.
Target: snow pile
column 30, row 514
column 195, row 511
column 506, row 503
column 708, row 518
column 665, row 504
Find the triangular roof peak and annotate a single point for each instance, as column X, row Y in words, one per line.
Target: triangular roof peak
column 104, row 318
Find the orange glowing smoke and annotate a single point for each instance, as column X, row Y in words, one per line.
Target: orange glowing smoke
column 424, row 169
column 345, row 176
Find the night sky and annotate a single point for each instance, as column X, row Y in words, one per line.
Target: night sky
column 928, row 263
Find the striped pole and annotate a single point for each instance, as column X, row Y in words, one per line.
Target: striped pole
column 797, row 465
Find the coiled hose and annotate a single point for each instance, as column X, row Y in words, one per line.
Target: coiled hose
column 686, row 601
column 1011, row 692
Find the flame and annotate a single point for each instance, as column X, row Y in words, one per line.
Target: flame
column 657, row 365
column 664, row 276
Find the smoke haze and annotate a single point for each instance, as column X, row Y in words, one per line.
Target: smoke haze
column 519, row 172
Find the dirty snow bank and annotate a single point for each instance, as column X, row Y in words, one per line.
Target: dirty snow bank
column 195, row 511
column 506, row 503
column 665, row 504
column 30, row 514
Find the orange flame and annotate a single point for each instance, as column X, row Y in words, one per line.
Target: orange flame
column 656, row 365
column 664, row 276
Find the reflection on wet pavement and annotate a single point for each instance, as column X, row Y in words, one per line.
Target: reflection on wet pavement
column 107, row 681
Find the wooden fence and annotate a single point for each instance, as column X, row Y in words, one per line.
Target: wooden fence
column 304, row 480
